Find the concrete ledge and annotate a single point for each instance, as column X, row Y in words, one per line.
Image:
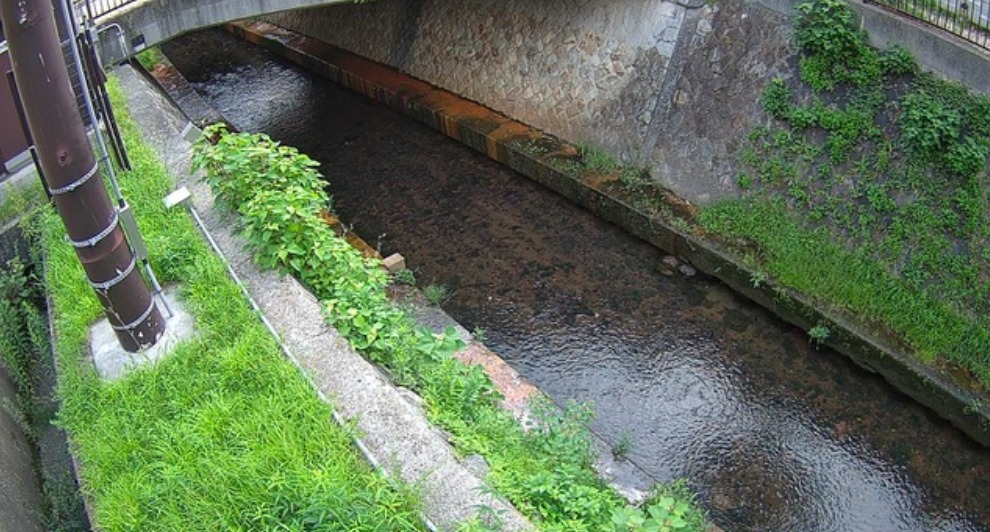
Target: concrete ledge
column 935, row 49
column 393, row 426
column 501, row 138
column 113, row 362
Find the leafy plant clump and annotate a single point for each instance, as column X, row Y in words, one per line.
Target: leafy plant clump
column 22, row 329
column 818, row 334
column 546, row 472
column 667, row 510
column 892, row 165
column 404, row 276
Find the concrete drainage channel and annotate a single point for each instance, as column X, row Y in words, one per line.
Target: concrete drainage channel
column 38, row 481
column 352, row 127
column 502, row 139
column 397, row 437
column 408, row 92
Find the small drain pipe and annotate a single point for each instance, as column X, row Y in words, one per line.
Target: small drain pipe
column 182, row 195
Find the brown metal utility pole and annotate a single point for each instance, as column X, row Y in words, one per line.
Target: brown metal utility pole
column 91, row 221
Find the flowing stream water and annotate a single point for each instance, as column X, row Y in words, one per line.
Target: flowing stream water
column 771, row 432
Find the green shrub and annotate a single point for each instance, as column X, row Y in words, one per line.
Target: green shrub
column 927, row 125
column 897, row 61
column 777, row 99
column 241, row 165
column 667, row 510
column 17, row 350
column 967, row 157
column 404, row 276
column 835, row 51
column 825, row 28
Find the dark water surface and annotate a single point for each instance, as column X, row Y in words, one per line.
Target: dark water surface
column 772, row 433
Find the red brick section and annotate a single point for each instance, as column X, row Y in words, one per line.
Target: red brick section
column 513, row 387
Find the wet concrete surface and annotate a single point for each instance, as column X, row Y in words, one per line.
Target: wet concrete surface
column 772, row 433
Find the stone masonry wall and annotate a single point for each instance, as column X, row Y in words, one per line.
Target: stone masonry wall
column 652, row 82
column 735, row 50
column 589, row 71
column 673, row 85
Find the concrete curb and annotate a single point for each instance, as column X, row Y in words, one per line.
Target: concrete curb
column 394, row 428
column 502, row 138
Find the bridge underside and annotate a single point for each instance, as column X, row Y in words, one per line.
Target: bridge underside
column 127, row 27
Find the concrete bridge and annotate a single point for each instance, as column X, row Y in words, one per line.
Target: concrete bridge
column 128, row 26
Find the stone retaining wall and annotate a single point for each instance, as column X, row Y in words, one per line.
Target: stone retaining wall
column 734, row 52
column 650, row 82
column 591, row 71
column 673, row 86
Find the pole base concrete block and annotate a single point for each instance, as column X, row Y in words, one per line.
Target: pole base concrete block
column 110, row 359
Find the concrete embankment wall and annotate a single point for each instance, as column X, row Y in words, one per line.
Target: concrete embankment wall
column 21, row 502
column 591, row 71
column 674, row 86
column 652, row 82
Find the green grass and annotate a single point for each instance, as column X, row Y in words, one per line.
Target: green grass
column 150, row 57
column 597, row 161
column 811, row 262
column 436, row 294
column 224, row 434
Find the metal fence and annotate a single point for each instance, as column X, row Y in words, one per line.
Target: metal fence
column 968, row 19
column 98, row 8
